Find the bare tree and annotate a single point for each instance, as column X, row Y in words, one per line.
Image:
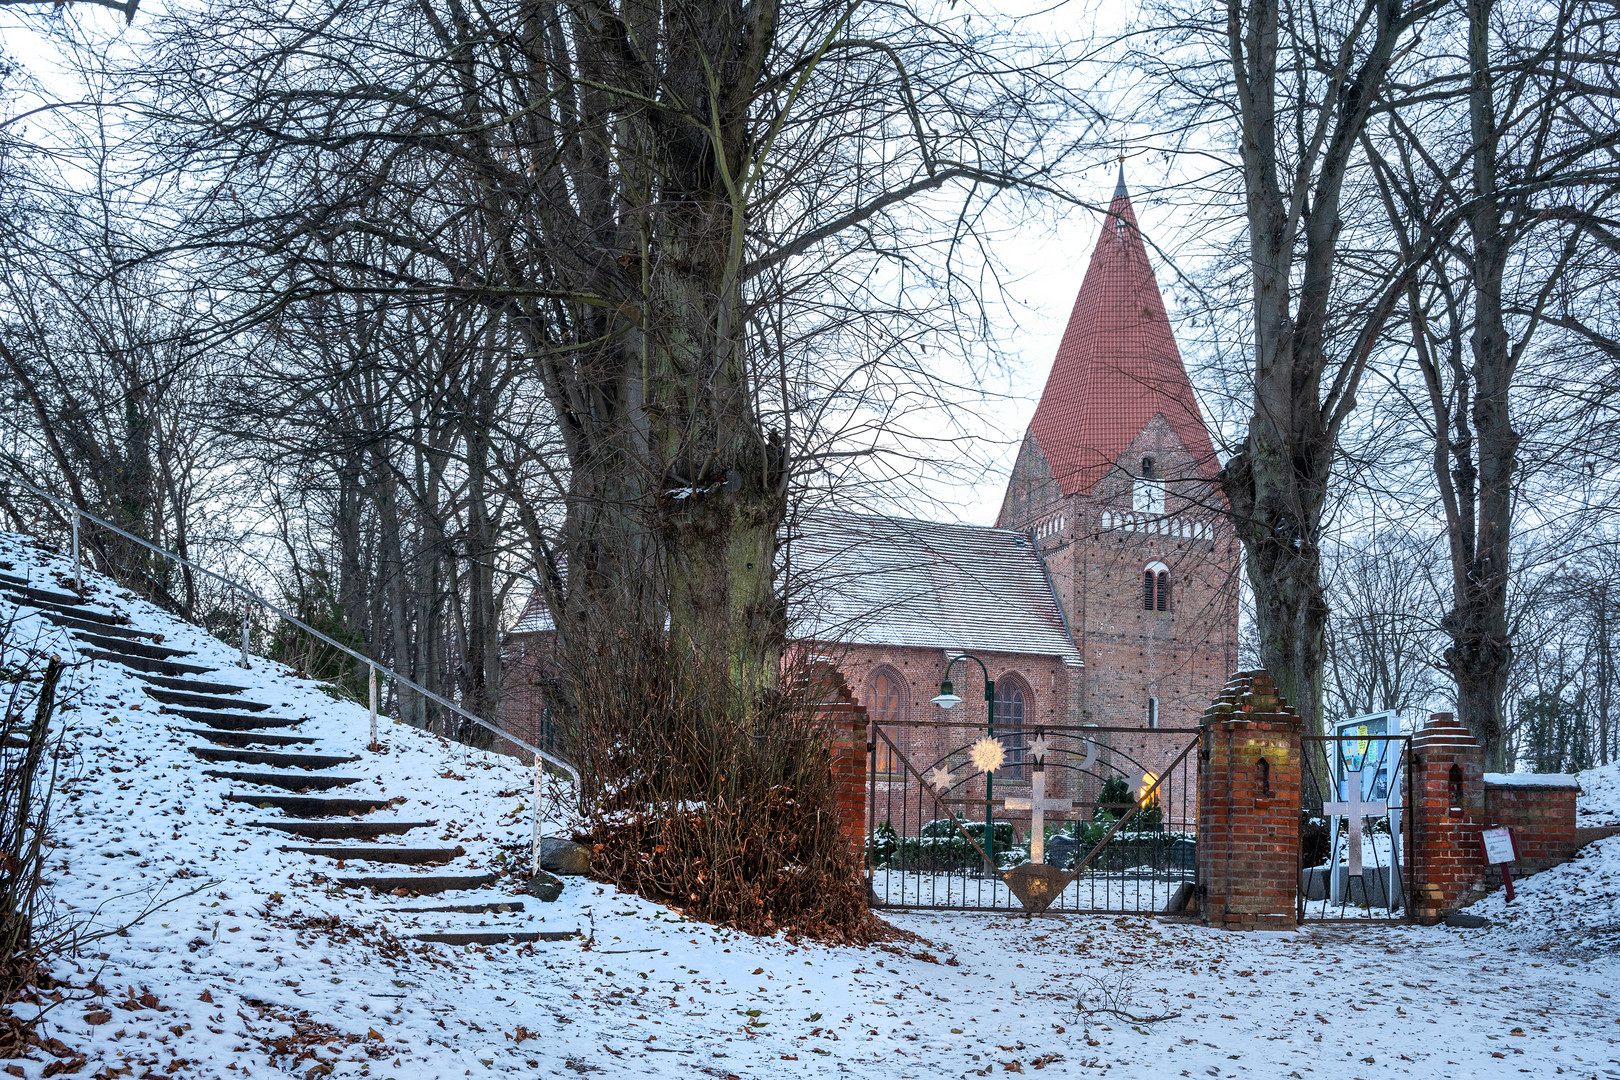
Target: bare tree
column 1286, row 93
column 1380, row 638
column 1534, row 177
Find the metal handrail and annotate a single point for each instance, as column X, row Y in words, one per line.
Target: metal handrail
column 250, row 594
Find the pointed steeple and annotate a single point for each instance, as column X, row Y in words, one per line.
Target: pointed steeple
column 1117, row 366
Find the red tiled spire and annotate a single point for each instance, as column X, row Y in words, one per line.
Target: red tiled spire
column 1117, row 366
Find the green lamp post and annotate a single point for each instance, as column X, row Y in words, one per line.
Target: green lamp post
column 947, row 699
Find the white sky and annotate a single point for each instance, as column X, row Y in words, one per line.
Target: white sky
column 1044, row 267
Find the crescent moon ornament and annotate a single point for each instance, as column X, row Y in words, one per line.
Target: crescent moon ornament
column 1091, row 755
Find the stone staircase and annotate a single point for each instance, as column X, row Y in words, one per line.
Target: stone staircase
column 283, row 771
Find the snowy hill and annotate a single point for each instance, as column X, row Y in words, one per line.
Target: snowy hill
column 1599, row 802
column 276, row 967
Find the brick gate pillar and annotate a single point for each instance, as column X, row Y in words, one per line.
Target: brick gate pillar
column 847, row 728
column 846, row 735
column 1248, row 807
column 1448, row 786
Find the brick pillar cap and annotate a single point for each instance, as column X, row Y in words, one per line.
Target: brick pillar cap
column 1249, row 695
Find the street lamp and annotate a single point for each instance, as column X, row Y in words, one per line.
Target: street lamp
column 946, row 699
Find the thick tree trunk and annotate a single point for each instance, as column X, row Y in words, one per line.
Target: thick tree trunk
column 1481, row 651
column 1276, row 486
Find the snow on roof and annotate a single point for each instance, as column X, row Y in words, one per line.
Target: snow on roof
column 535, row 618
column 1530, row 779
column 861, row 580
column 1117, row 365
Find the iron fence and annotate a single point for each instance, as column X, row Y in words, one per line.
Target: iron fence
column 942, row 831
column 1357, row 829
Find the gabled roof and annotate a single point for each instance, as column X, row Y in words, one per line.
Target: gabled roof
column 861, row 580
column 1117, row 366
column 535, row 618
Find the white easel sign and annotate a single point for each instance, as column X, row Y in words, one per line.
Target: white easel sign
column 1498, row 846
column 1499, row 852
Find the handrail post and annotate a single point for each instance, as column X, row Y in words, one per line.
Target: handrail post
column 371, row 680
column 78, row 572
column 539, row 774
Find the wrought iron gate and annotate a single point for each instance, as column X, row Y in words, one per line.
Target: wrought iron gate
column 1357, row 829
column 1120, row 805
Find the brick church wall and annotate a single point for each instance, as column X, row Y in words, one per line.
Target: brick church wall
column 927, row 733
column 1181, row 656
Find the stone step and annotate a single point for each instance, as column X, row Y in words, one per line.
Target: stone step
column 417, row 883
column 344, row 828
column 298, row 781
column 385, row 853
column 493, row 937
column 77, row 622
column 61, row 604
column 246, row 738
column 191, row 686
column 203, row 701
column 225, row 721
column 492, row 907
column 143, row 664
column 128, row 647
column 45, row 598
column 312, row 805
column 271, row 757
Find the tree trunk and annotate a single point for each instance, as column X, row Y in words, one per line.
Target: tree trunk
column 1481, row 653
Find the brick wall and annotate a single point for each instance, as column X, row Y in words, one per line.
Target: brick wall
column 527, row 660
column 1542, row 819
column 1248, row 822
column 1449, row 865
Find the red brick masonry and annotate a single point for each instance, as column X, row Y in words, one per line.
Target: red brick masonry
column 1249, row 797
column 1540, row 809
column 1457, row 800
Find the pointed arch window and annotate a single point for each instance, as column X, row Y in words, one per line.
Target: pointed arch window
column 1013, row 701
column 886, row 696
column 1156, row 587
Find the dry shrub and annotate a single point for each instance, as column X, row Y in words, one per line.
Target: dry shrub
column 27, row 783
column 717, row 801
column 31, row 935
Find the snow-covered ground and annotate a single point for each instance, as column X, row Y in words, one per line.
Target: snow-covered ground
column 1599, row 801
column 271, row 970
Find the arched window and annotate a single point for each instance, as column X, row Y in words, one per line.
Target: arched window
column 1013, row 699
column 1152, row 712
column 1156, row 587
column 1147, row 494
column 886, row 703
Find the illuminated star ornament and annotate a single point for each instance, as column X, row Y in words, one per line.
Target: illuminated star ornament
column 987, row 755
column 1038, row 749
column 1140, row 786
column 940, row 778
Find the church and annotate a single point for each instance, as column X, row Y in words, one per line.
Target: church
column 1106, row 592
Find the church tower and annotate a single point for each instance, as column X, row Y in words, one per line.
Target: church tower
column 1115, row 480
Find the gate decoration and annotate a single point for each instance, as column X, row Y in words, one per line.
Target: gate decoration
column 1356, row 828
column 1081, row 819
